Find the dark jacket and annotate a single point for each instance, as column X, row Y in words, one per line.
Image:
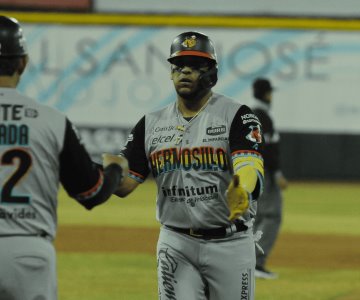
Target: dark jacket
column 271, row 152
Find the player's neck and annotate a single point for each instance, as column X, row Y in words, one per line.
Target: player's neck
column 190, row 107
column 9, row 81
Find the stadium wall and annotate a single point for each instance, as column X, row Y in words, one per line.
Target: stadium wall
column 100, row 70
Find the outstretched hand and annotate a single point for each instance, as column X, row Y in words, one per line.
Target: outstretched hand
column 109, row 159
column 237, row 198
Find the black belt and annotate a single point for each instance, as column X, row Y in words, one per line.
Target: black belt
column 214, row 233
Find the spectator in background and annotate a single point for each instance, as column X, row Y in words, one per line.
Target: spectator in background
column 269, row 210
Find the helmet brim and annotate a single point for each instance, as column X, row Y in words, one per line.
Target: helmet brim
column 191, row 53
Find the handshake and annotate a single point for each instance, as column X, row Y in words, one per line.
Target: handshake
column 112, row 161
column 121, row 161
column 114, row 169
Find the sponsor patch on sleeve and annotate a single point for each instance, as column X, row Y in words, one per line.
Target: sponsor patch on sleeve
column 249, row 118
column 255, row 134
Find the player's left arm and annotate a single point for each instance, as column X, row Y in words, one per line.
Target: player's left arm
column 246, row 143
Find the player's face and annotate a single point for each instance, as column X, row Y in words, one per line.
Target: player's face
column 185, row 73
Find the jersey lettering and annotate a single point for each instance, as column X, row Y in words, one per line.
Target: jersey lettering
column 197, row 158
column 22, row 159
column 10, row 112
column 11, row 134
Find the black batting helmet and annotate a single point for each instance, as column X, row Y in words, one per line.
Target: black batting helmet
column 12, row 41
column 193, row 43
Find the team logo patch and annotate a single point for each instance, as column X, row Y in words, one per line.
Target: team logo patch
column 217, row 130
column 31, row 113
column 189, row 42
column 255, row 134
column 130, row 138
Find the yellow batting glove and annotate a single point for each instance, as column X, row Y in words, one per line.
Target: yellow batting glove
column 237, row 198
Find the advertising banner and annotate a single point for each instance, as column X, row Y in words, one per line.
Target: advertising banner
column 110, row 76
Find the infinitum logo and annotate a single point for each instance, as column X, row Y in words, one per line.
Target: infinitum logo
column 189, row 190
column 190, row 194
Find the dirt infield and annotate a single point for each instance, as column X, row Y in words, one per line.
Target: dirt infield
column 299, row 250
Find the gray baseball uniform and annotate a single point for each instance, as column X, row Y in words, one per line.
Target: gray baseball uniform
column 38, row 150
column 200, row 252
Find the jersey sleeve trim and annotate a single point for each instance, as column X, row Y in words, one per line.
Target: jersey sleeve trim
column 245, row 153
column 94, row 190
column 249, row 165
column 136, row 176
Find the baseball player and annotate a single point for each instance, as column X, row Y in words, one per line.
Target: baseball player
column 39, row 149
column 204, row 152
column 269, row 213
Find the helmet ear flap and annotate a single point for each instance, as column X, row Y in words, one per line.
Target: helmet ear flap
column 209, row 78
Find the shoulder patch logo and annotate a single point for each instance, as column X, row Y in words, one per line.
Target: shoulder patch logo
column 130, row 138
column 255, row 134
column 31, row 113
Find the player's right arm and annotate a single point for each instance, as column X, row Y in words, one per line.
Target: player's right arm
column 134, row 151
column 82, row 179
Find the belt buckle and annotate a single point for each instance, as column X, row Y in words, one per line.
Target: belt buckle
column 192, row 233
column 230, row 230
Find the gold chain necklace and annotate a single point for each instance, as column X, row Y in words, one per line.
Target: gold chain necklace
column 182, row 127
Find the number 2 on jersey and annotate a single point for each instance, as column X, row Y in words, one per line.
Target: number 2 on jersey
column 22, row 159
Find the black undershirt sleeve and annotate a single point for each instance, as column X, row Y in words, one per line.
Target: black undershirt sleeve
column 82, row 179
column 112, row 177
column 246, row 136
column 240, row 138
column 135, row 153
